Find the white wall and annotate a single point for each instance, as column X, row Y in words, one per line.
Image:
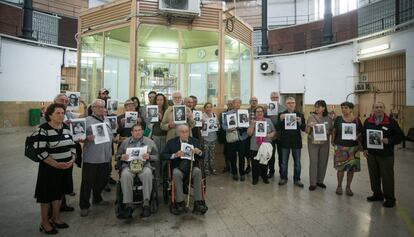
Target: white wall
column 29, row 73
column 328, row 74
column 399, row 42
column 282, row 12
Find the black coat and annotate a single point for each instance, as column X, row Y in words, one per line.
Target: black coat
column 290, row 138
column 174, row 145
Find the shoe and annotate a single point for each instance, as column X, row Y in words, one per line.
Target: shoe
column 235, row 177
column 388, row 203
column 101, row 203
column 247, row 170
column 84, row 212
column 322, row 185
column 179, row 208
column 146, row 212
column 66, row 208
column 282, row 182
column 312, row 188
column 265, row 180
column 271, row 175
column 299, row 184
column 255, row 181
column 62, row 225
column 375, row 198
column 53, row 231
column 349, row 192
column 107, row 188
column 200, row 207
column 111, row 181
column 338, row 190
column 242, row 178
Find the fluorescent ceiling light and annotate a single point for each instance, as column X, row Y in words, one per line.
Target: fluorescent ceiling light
column 375, row 49
column 91, row 55
column 157, row 44
column 83, row 79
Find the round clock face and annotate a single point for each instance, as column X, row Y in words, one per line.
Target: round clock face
column 201, row 53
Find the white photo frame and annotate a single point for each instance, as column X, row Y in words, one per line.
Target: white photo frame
column 290, row 121
column 78, row 129
column 204, row 130
column 261, row 129
column 231, row 120
column 112, row 106
column 136, row 153
column 319, row 132
column 131, row 118
column 74, row 100
column 272, row 108
column 198, row 118
column 100, row 131
column 187, row 149
column 179, row 114
column 112, row 122
column 349, row 131
column 374, row 139
column 243, row 118
column 212, row 124
column 152, row 113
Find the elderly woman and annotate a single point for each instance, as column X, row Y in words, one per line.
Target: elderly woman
column 318, row 149
column 210, row 137
column 256, row 142
column 346, row 158
column 56, row 151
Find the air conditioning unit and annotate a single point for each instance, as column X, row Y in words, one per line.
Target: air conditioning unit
column 267, row 67
column 180, row 7
column 362, row 87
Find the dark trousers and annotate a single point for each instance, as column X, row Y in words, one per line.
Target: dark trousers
column 381, row 170
column 226, row 156
column 234, row 150
column 94, row 178
column 258, row 170
column 278, row 148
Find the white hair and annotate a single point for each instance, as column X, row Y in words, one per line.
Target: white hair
column 98, row 102
column 182, row 126
column 59, row 95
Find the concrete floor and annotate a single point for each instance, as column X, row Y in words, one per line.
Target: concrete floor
column 235, row 208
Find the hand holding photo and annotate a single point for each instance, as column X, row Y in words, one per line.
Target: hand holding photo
column 290, row 121
column 136, row 153
column 231, row 120
column 179, row 114
column 73, row 100
column 100, row 131
column 243, row 118
column 319, row 132
column 187, row 149
column 349, row 131
column 261, row 128
column 112, row 122
column 130, row 119
column 374, row 139
column 272, row 108
column 78, row 129
column 197, row 118
column 152, row 113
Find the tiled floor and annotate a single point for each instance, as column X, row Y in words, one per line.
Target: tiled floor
column 235, row 208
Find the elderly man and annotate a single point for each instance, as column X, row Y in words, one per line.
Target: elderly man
column 167, row 123
column 96, row 161
column 274, row 97
column 222, row 136
column 381, row 161
column 181, row 169
column 145, row 175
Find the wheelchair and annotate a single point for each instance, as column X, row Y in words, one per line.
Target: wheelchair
column 138, row 199
column 168, row 183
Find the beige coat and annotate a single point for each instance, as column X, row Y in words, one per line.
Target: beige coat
column 168, row 116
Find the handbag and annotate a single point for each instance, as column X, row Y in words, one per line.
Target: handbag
column 232, row 136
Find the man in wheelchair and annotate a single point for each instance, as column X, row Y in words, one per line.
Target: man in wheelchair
column 140, row 167
column 181, row 168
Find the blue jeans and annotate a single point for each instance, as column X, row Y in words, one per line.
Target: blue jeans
column 296, row 162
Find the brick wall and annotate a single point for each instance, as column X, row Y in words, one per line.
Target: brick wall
column 10, row 20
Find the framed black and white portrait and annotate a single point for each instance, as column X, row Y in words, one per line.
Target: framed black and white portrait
column 112, row 106
column 319, row 132
column 261, row 128
column 272, row 109
column 78, row 129
column 74, row 102
column 212, row 124
column 187, row 149
column 349, row 131
column 179, row 114
column 374, row 139
column 231, row 120
column 100, row 132
column 131, row 118
column 290, row 121
column 197, row 115
column 112, row 122
column 152, row 113
column 243, row 118
column 136, row 153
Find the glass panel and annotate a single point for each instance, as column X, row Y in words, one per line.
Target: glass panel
column 91, row 74
column 116, row 63
column 197, row 82
column 245, row 73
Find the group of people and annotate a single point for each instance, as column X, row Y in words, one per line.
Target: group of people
column 163, row 139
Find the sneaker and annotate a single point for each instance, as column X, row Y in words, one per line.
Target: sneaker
column 111, row 181
column 101, row 203
column 389, row 203
column 282, row 182
column 322, row 185
column 146, row 211
column 242, row 178
column 299, row 184
column 312, row 188
column 235, row 177
column 375, row 198
column 84, row 212
column 200, row 207
column 338, row 190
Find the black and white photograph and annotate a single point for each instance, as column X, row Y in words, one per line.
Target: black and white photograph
column 179, row 115
column 136, row 153
column 73, row 100
column 374, row 139
column 204, row 130
column 290, row 121
column 100, row 132
column 231, row 120
column 112, row 122
column 112, row 106
column 272, row 109
column 319, row 132
column 243, row 118
column 197, row 115
column 261, row 128
column 152, row 113
column 78, row 129
column 212, row 125
column 349, row 131
column 131, row 118
column 187, row 149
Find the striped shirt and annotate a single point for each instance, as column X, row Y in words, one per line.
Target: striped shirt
column 56, row 143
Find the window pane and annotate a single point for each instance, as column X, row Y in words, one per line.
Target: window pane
column 197, row 83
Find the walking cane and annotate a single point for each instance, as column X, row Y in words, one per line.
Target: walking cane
column 189, row 181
